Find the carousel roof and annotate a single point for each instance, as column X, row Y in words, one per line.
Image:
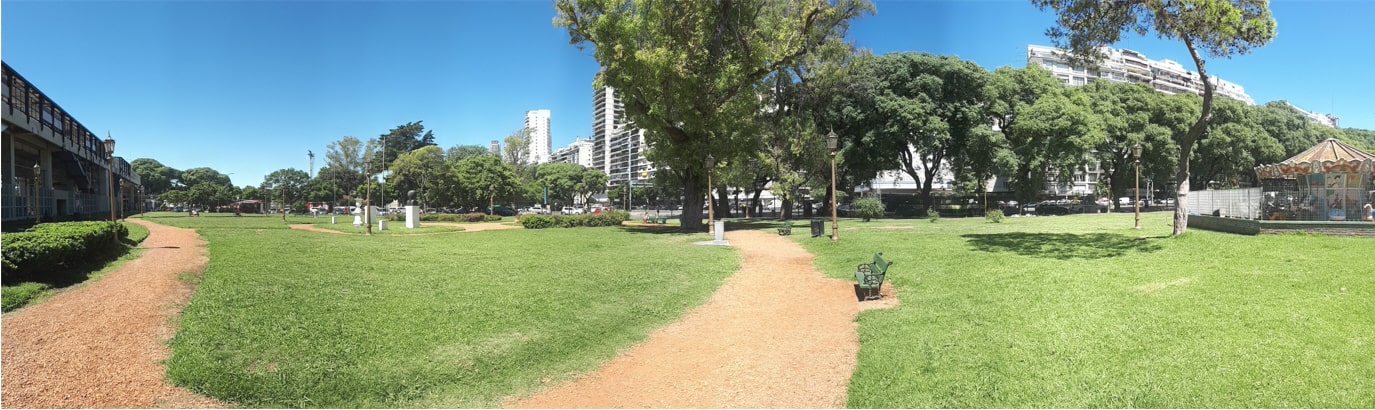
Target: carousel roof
column 1330, row 150
column 1326, row 157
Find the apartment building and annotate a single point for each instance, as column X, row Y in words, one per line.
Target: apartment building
column 494, row 147
column 578, row 152
column 617, row 146
column 1129, row 66
column 537, row 121
column 1320, row 118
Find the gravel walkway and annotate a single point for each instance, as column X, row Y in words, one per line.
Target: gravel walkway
column 100, row 345
column 777, row 334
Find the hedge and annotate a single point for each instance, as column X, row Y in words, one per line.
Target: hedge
column 29, row 255
column 570, row 221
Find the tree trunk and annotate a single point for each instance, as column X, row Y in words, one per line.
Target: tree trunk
column 691, row 217
column 754, row 203
column 1181, row 209
column 723, row 209
column 787, row 210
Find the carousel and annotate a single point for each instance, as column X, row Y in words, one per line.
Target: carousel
column 1333, row 181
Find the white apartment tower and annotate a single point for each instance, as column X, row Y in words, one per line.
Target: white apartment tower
column 617, row 147
column 579, row 152
column 538, row 123
column 1129, row 66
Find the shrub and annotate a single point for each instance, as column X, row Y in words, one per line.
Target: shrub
column 492, row 218
column 571, row 221
column 48, row 247
column 442, row 217
column 868, row 208
column 994, row 216
column 934, row 216
column 537, row 221
column 474, row 217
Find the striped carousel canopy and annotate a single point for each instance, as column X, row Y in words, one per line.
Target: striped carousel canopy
column 1330, row 156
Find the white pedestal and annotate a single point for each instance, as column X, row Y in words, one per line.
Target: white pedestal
column 358, row 220
column 412, row 217
column 720, row 229
column 381, row 224
column 332, row 221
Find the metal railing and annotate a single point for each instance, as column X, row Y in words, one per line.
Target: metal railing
column 1232, row 203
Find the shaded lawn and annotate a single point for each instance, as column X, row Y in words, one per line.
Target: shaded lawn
column 1083, row 311
column 288, row 318
column 393, row 228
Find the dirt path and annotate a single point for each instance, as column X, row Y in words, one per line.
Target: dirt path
column 777, row 334
column 101, row 345
column 467, row 227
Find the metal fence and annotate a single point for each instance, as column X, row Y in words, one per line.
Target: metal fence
column 1233, row 203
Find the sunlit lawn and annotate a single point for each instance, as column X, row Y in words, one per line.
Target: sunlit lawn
column 287, row 318
column 1077, row 311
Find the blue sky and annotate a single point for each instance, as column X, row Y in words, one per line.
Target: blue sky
column 247, row 87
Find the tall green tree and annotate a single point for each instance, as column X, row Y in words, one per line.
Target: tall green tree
column 197, row 176
column 689, row 72
column 404, row 138
column 286, row 185
column 517, row 150
column 344, row 163
column 924, row 112
column 413, row 169
column 483, row 178
column 157, row 178
column 1128, row 113
column 462, row 152
column 1233, row 145
column 1215, row 28
column 1046, row 129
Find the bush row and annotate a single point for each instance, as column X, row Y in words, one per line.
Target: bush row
column 569, row 221
column 46, row 247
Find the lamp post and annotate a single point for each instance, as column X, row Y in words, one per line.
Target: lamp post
column 367, row 198
column 282, row 186
column 711, row 206
column 1136, row 155
column 110, row 168
column 37, row 194
column 831, row 141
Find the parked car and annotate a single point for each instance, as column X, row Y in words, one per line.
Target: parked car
column 568, row 210
column 1047, row 208
column 502, row 210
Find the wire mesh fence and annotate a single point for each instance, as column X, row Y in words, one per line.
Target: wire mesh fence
column 1232, row 203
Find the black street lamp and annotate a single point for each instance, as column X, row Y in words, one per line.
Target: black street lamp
column 367, row 198
column 37, row 194
column 1136, row 155
column 711, row 206
column 831, row 141
column 110, row 167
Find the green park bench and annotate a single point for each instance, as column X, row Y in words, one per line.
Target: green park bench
column 661, row 220
column 870, row 276
column 786, row 229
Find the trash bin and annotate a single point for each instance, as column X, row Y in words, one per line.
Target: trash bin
column 818, row 227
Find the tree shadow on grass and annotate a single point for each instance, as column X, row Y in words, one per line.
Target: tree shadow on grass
column 1061, row 246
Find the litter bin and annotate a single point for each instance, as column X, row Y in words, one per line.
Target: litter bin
column 818, row 227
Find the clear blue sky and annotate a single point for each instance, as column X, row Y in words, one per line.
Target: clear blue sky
column 247, row 87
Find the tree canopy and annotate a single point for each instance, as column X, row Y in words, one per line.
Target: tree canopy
column 689, row 72
column 1216, row 28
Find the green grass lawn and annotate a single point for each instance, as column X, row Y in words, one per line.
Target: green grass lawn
column 27, row 293
column 393, row 228
column 1078, row 312
column 228, row 220
column 286, row 318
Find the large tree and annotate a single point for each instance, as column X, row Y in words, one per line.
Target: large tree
column 482, row 178
column 404, row 138
column 517, row 150
column 1128, row 113
column 157, row 178
column 1215, row 28
column 1046, row 129
column 197, row 176
column 344, row 163
column 923, row 112
column 287, row 185
column 689, row 71
column 414, row 169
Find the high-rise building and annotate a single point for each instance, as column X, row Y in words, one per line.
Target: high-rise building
column 579, row 152
column 617, row 147
column 537, row 121
column 1129, row 66
column 1317, row 117
column 494, row 147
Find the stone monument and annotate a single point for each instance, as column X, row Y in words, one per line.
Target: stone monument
column 412, row 211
